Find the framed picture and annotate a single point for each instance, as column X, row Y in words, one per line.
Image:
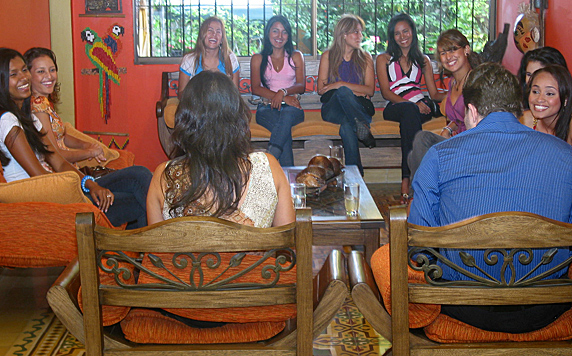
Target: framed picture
column 103, row 7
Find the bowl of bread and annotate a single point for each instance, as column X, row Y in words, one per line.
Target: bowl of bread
column 321, row 171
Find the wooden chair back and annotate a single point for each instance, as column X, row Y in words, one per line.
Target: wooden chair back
column 192, row 236
column 518, row 231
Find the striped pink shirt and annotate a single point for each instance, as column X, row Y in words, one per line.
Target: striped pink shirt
column 406, row 85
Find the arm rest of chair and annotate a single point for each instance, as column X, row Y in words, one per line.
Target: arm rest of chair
column 366, row 294
column 330, row 290
column 62, row 298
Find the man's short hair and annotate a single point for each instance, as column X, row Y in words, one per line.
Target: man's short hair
column 491, row 88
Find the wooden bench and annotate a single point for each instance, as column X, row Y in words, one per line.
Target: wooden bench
column 312, row 136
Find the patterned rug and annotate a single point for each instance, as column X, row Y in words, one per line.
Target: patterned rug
column 348, row 335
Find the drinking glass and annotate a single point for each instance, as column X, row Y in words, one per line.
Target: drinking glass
column 351, row 199
column 298, row 191
column 338, row 152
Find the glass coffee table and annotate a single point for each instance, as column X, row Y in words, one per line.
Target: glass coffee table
column 329, row 221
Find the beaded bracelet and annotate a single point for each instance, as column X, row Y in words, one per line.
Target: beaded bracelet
column 285, row 91
column 83, row 181
column 448, row 129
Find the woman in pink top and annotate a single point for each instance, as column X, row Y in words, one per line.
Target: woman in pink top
column 277, row 75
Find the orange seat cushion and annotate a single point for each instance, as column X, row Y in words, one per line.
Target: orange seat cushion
column 41, row 234
column 272, row 313
column 448, row 330
column 420, row 315
column 149, row 326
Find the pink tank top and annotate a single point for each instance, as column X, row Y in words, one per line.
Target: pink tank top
column 283, row 79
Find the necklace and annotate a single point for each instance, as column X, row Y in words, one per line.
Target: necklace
column 458, row 85
column 536, row 128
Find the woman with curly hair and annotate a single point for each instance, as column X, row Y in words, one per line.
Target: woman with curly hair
column 214, row 172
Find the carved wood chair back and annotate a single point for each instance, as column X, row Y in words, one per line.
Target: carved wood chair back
column 507, row 238
column 191, row 238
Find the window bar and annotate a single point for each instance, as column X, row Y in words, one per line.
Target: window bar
column 150, row 21
column 424, row 27
column 247, row 28
column 297, row 22
column 182, row 25
column 473, row 22
column 231, row 23
column 166, row 21
column 456, row 13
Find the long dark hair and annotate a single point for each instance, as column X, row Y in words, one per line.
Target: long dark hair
column 24, row 114
column 37, row 52
column 415, row 56
column 267, row 46
column 564, row 80
column 543, row 55
column 212, row 144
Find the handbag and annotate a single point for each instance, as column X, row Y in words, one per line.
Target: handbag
column 97, row 171
column 367, row 105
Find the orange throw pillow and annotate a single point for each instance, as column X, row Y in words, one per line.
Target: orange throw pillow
column 420, row 315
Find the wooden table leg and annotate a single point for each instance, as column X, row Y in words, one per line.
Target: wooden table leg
column 371, row 242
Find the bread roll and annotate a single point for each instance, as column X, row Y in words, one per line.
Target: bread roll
column 323, row 162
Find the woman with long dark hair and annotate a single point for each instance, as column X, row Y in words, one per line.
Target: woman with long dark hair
column 277, row 75
column 550, row 100
column 399, row 73
column 346, row 82
column 211, row 52
column 31, row 153
column 215, row 172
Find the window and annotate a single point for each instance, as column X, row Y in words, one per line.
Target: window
column 166, row 29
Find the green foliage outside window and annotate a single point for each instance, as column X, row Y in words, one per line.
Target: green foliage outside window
column 174, row 28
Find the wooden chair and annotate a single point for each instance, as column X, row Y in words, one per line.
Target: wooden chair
column 317, row 300
column 510, row 230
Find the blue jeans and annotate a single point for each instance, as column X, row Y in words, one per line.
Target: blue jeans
column 130, row 186
column 410, row 120
column 280, row 123
column 342, row 109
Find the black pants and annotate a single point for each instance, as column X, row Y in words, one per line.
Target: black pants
column 507, row 318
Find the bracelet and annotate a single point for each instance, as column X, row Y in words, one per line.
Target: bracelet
column 285, row 91
column 448, row 129
column 85, row 179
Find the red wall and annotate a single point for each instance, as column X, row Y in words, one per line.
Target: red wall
column 133, row 101
column 16, row 19
column 558, row 20
column 507, row 11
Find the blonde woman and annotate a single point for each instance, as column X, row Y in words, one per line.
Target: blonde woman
column 346, row 83
column 210, row 53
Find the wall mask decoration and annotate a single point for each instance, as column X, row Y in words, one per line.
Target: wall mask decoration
column 527, row 30
column 102, row 53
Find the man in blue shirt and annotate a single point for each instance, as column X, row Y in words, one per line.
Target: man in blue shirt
column 498, row 164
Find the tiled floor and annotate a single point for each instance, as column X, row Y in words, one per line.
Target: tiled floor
column 22, row 294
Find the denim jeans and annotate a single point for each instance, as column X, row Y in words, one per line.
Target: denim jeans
column 410, row 120
column 130, row 186
column 342, row 109
column 280, row 123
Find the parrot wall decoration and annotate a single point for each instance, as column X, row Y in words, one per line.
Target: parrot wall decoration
column 102, row 52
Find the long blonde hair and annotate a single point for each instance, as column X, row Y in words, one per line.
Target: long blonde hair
column 347, row 24
column 200, row 51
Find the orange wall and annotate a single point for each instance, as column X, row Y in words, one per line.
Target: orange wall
column 25, row 24
column 133, row 101
column 558, row 19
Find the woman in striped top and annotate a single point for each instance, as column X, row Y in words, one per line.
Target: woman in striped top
column 399, row 72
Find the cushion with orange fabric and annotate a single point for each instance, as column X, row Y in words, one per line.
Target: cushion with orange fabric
column 61, row 188
column 113, row 314
column 448, row 330
column 125, row 159
column 272, row 313
column 41, row 234
column 149, row 326
column 420, row 315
